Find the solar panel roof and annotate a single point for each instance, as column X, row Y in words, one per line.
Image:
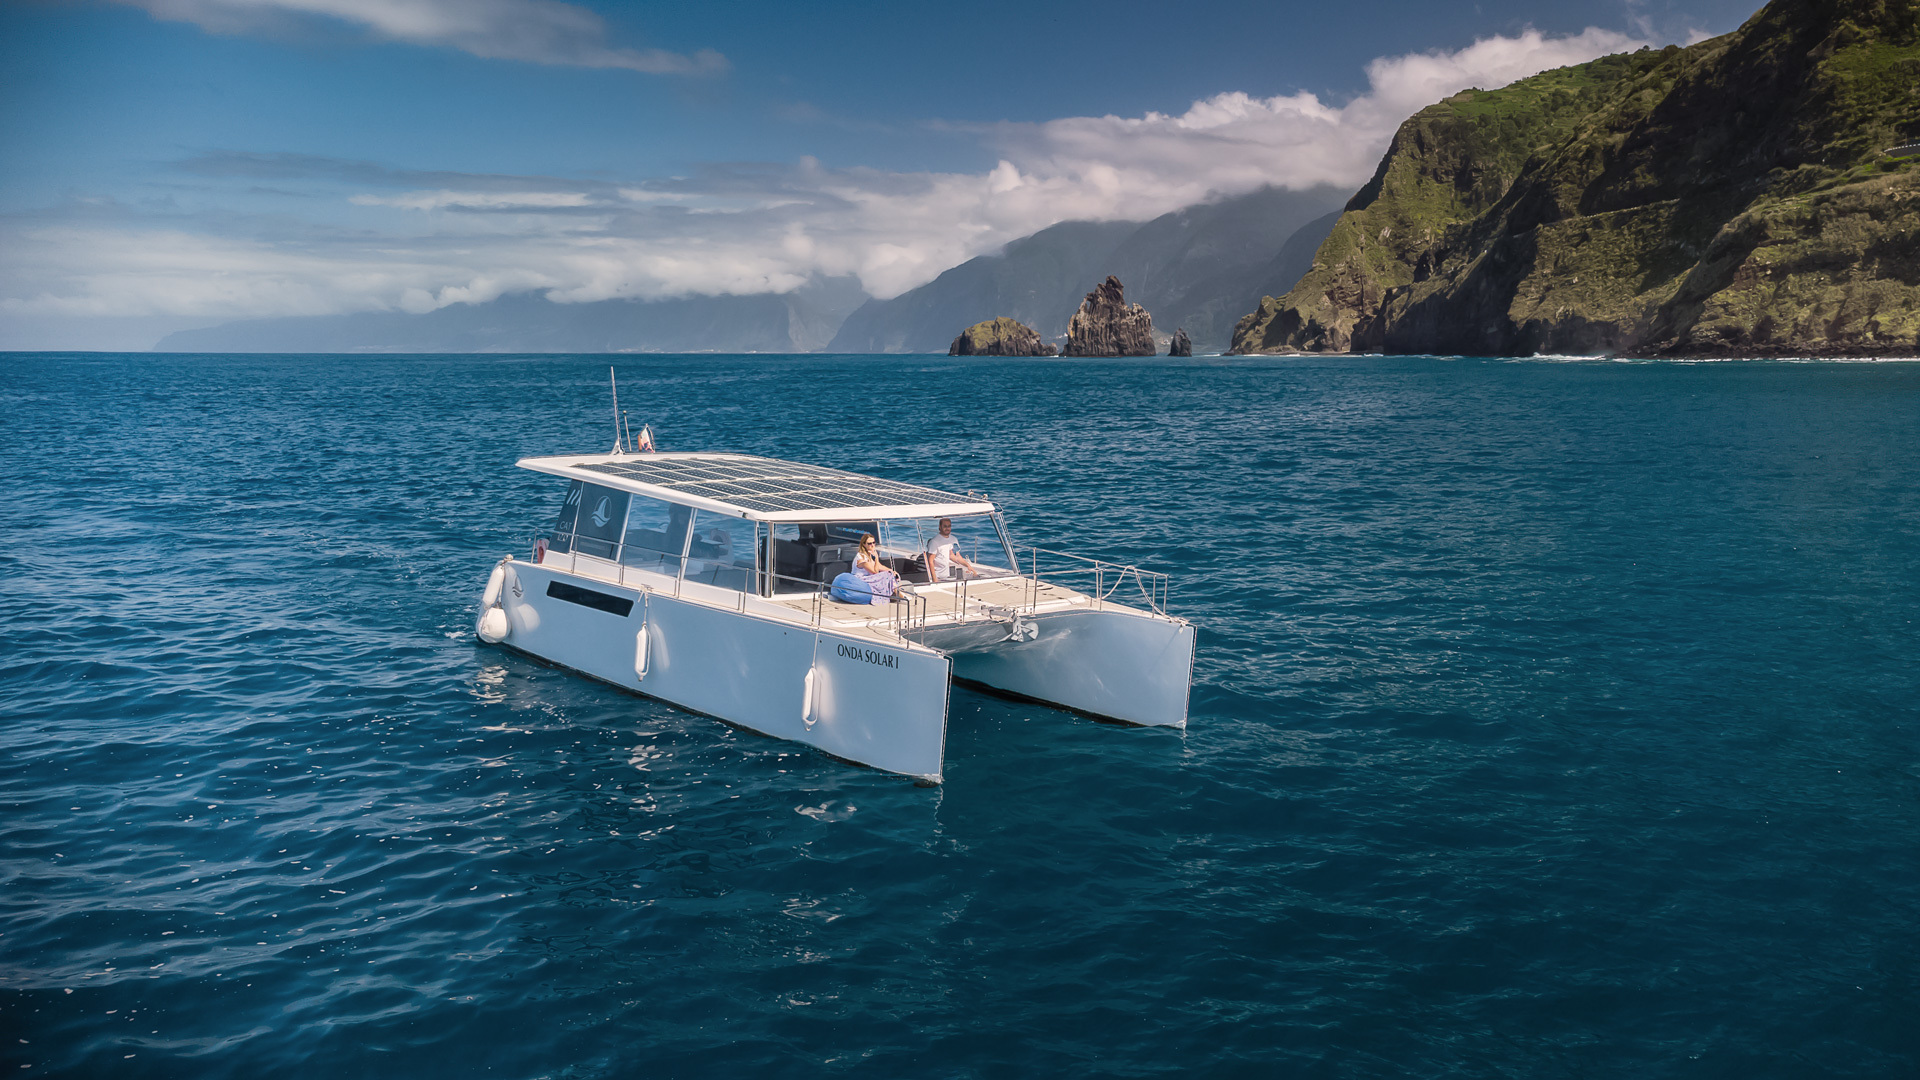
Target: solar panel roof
column 759, row 487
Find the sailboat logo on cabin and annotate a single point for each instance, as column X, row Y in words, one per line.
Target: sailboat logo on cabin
column 600, row 514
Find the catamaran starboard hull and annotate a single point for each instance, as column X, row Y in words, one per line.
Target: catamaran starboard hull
column 1114, row 664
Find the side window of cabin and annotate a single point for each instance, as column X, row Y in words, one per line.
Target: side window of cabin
column 791, row 561
column 562, row 538
column 602, row 513
column 721, row 552
column 656, row 535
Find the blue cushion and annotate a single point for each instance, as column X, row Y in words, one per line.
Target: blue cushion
column 848, row 589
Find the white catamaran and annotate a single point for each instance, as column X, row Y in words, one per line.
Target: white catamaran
column 709, row 581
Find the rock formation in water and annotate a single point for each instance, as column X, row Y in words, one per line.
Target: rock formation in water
column 1729, row 198
column 1181, row 345
column 999, row 337
column 1201, row 267
column 1106, row 325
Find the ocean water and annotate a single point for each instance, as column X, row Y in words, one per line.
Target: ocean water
column 1549, row 719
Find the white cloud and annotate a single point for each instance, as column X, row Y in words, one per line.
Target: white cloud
column 431, row 239
column 1235, row 142
column 539, row 31
column 1402, row 84
column 477, row 200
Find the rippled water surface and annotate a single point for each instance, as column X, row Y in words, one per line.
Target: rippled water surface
column 1549, row 719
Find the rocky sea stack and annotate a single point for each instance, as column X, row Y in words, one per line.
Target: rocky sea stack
column 999, row 337
column 1106, row 325
column 1731, row 198
column 1181, row 345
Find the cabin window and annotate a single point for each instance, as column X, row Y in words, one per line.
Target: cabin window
column 561, row 540
column 975, row 537
column 721, row 552
column 601, row 515
column 656, row 535
column 789, row 562
column 807, row 555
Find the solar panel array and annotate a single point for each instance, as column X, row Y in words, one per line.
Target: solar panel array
column 768, row 486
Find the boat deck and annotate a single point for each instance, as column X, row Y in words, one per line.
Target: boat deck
column 942, row 605
column 975, row 601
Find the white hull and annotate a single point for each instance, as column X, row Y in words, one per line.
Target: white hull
column 883, row 705
column 725, row 584
column 1113, row 663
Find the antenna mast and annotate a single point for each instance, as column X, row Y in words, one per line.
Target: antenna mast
column 619, row 444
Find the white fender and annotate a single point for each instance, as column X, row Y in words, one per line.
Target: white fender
column 493, row 626
column 496, row 582
column 640, row 643
column 806, row 700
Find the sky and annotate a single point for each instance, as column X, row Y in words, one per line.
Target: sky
column 169, row 164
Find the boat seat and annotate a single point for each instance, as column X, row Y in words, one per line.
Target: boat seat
column 911, row 568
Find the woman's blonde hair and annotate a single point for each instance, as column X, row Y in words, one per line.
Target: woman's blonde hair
column 867, row 538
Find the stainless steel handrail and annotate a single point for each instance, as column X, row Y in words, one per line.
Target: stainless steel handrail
column 907, row 613
column 1154, row 586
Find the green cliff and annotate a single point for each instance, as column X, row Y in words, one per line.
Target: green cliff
column 1729, row 198
column 999, row 337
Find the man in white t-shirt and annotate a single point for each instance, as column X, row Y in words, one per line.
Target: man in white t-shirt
column 943, row 551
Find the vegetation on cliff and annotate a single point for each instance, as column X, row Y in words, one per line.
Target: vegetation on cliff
column 999, row 337
column 1731, row 197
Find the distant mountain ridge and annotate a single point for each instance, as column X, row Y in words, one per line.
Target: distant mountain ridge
column 1201, row 268
column 799, row 321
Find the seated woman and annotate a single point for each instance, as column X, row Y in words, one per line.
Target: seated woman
column 873, row 574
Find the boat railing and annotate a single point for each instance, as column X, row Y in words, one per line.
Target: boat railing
column 1099, row 579
column 906, row 617
column 906, row 613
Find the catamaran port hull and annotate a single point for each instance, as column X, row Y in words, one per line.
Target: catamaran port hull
column 879, row 704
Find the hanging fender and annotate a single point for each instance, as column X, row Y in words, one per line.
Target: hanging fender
column 493, row 626
column 496, row 584
column 643, row 638
column 807, row 686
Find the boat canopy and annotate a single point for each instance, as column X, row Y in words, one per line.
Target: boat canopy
column 757, row 488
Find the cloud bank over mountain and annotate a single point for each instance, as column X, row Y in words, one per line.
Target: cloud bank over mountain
column 353, row 236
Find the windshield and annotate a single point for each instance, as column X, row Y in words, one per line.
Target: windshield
column 810, row 554
column 969, row 546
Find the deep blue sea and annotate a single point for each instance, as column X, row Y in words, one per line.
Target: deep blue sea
column 1550, row 719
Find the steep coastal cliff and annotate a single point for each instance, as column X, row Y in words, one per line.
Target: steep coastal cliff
column 1106, row 325
column 1729, row 198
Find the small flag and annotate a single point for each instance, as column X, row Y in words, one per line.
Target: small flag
column 645, row 444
